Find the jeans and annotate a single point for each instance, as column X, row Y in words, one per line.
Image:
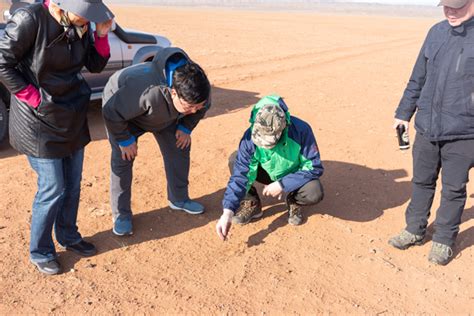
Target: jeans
column 55, row 204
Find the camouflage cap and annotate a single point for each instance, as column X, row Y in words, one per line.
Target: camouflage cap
column 269, row 124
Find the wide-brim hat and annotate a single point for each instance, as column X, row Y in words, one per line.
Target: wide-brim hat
column 456, row 4
column 93, row 10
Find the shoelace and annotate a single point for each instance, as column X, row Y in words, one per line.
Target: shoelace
column 441, row 249
column 295, row 210
column 246, row 207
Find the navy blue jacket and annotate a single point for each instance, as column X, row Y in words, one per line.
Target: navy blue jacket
column 441, row 87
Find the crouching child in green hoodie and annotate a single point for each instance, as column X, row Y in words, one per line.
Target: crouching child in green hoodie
column 279, row 151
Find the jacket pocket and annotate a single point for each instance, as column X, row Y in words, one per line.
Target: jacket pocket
column 60, row 117
column 430, row 52
column 468, row 67
column 468, row 83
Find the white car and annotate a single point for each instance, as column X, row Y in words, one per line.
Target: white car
column 127, row 47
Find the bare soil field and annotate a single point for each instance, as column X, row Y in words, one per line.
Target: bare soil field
column 344, row 75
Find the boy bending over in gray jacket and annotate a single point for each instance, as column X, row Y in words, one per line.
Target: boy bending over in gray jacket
column 167, row 97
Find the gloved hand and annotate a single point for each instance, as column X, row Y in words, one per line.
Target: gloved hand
column 224, row 224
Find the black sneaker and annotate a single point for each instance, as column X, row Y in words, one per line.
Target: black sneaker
column 83, row 248
column 51, row 267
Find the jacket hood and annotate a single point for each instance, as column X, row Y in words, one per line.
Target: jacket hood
column 163, row 56
column 271, row 99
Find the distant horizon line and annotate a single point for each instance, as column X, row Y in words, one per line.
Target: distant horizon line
column 404, row 3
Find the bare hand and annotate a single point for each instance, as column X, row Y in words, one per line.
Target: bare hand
column 129, row 152
column 183, row 140
column 400, row 122
column 224, row 224
column 103, row 28
column 273, row 189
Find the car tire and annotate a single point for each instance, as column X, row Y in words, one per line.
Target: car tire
column 3, row 120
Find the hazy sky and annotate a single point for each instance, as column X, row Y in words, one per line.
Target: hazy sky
column 421, row 2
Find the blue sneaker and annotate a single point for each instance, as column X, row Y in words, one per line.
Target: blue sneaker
column 188, row 206
column 123, row 227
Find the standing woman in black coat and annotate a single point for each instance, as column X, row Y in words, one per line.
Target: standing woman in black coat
column 44, row 48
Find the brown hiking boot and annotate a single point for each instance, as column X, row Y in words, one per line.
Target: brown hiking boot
column 295, row 212
column 250, row 208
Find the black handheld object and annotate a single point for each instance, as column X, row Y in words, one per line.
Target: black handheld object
column 403, row 140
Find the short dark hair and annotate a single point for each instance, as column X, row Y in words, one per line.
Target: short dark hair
column 191, row 83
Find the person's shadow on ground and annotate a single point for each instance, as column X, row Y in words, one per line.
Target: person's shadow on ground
column 361, row 194
column 465, row 238
column 352, row 192
column 153, row 225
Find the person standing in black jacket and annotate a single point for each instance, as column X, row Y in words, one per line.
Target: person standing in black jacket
column 441, row 91
column 44, row 48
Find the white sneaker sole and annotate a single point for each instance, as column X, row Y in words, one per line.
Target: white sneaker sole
column 174, row 207
column 126, row 234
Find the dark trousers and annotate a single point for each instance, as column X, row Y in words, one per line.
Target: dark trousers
column 454, row 159
column 309, row 194
column 176, row 162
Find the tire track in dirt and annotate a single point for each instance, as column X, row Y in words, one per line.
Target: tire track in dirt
column 292, row 62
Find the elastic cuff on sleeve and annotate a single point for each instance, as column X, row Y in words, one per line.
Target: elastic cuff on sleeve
column 102, row 45
column 184, row 129
column 30, row 95
column 128, row 142
column 402, row 115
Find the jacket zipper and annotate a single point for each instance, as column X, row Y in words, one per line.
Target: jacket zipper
column 459, row 60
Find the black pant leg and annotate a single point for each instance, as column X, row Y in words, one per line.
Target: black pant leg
column 457, row 158
column 426, row 166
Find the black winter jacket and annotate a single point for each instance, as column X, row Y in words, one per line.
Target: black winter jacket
column 441, row 87
column 30, row 53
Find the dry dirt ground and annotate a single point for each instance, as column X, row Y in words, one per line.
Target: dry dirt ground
column 344, row 75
